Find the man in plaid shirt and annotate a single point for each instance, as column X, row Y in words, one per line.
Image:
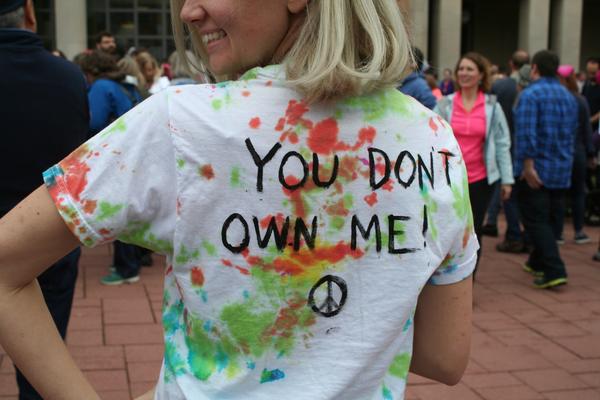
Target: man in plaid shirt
column 545, row 130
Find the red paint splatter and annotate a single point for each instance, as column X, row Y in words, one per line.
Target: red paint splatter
column 197, row 276
column 389, row 186
column 279, row 220
column 269, row 83
column 229, row 264
column 295, row 113
column 371, row 199
column 280, row 125
column 254, row 123
column 169, row 270
column 246, row 93
column 207, row 172
column 433, row 126
column 338, row 209
column 322, row 139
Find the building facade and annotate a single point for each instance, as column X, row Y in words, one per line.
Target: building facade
column 443, row 29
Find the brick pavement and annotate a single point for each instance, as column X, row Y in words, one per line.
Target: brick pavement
column 527, row 344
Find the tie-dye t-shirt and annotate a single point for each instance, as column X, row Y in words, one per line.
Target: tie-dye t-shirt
column 298, row 237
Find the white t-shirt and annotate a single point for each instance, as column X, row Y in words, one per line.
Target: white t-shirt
column 280, row 284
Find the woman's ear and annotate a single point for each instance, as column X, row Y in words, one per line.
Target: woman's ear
column 297, row 6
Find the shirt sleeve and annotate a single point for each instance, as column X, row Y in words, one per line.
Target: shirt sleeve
column 456, row 242
column 122, row 183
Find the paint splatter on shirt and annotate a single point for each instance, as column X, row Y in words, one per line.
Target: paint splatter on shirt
column 298, row 236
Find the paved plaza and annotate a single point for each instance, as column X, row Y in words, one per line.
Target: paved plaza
column 527, row 344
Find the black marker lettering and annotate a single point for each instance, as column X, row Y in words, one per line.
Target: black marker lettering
column 260, row 163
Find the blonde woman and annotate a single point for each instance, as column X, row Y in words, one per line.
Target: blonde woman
column 151, row 73
column 316, row 221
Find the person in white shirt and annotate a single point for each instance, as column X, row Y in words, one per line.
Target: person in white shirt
column 316, row 221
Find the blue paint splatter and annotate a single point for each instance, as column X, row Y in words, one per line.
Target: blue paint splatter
column 204, row 296
column 246, row 295
column 271, row 376
column 222, row 359
column 250, row 364
column 407, row 325
column 207, row 326
column 387, row 393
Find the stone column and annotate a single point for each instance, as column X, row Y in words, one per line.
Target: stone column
column 446, row 33
column 416, row 13
column 566, row 31
column 71, row 26
column 534, row 25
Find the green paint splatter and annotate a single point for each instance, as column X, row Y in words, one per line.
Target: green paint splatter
column 117, row 126
column 217, row 104
column 337, row 222
column 251, row 74
column 210, row 248
column 248, row 328
column 400, row 366
column 378, row 105
column 235, row 177
column 462, row 202
column 180, row 163
column 107, row 210
column 140, row 233
column 348, row 201
column 185, row 256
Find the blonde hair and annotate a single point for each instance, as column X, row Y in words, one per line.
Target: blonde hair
column 345, row 48
column 129, row 66
column 143, row 58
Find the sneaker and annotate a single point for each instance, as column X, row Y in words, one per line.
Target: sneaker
column 560, row 241
column 545, row 283
column 489, row 230
column 510, row 246
column 114, row 279
column 582, row 238
column 527, row 268
column 596, row 256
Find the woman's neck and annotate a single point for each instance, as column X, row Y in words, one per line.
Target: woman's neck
column 470, row 94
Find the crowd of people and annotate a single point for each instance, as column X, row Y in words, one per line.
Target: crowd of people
column 182, row 171
column 530, row 142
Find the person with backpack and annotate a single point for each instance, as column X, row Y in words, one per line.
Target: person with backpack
column 482, row 132
column 108, row 98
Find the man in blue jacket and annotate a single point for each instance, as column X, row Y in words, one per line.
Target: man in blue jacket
column 44, row 117
column 415, row 84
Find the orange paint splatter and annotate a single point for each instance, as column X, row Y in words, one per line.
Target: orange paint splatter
column 338, row 209
column 254, row 123
column 389, row 186
column 178, row 91
column 280, row 125
column 89, row 206
column 305, row 259
column 371, row 199
column 246, row 93
column 207, row 172
column 197, row 276
column 269, row 83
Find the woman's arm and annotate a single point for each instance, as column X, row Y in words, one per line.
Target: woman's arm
column 443, row 332
column 32, row 237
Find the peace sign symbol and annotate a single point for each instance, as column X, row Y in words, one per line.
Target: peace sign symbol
column 330, row 307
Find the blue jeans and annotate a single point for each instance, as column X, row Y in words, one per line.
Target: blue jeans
column 494, row 208
column 513, row 219
column 127, row 259
column 538, row 210
column 578, row 190
column 58, row 287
